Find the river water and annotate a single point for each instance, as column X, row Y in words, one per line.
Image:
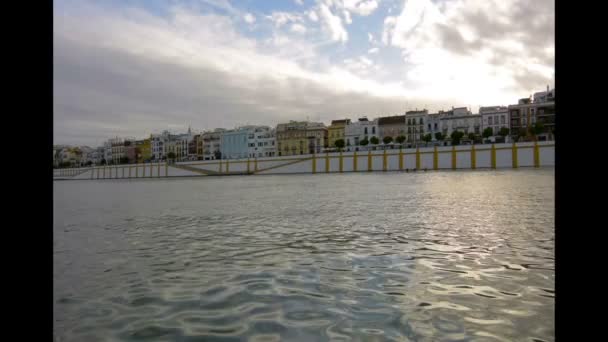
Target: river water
column 435, row 256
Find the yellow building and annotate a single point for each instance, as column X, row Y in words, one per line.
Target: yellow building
column 336, row 131
column 300, row 137
column 198, row 140
column 144, row 150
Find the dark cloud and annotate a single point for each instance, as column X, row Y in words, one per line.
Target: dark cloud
column 100, row 93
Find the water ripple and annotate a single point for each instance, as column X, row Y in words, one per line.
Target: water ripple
column 366, row 257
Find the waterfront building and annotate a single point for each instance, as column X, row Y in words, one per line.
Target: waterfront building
column 143, row 150
column 494, row 117
column 198, row 140
column 459, row 119
column 336, row 131
column 248, row 142
column 212, row 144
column 391, row 126
column 300, row 137
column 107, row 151
column 527, row 113
column 118, row 149
column 261, row 141
column 359, row 130
column 415, row 121
column 158, row 142
column 233, row 144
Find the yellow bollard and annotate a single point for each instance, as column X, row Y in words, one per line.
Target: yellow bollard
column 355, row 161
column 473, row 157
column 369, row 160
column 493, row 157
column 536, row 155
column 453, row 157
column 384, row 161
column 435, row 159
column 418, row 158
column 514, row 156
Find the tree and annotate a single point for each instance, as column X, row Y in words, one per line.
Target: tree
column 171, row 155
column 537, row 128
column 439, row 136
column 387, row 140
column 124, row 160
column 364, row 142
column 374, row 141
column 522, row 132
column 218, row 154
column 503, row 132
column 89, row 163
column 400, row 139
column 487, row 132
column 103, row 161
column 339, row 143
column 471, row 136
column 348, row 142
column 427, row 138
column 456, row 136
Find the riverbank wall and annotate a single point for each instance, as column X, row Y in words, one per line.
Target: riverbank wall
column 486, row 156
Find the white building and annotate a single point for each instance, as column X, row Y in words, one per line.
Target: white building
column 212, row 143
column 494, row 117
column 358, row 130
column 261, row 141
column 416, row 122
column 157, row 143
column 459, row 119
column 107, row 151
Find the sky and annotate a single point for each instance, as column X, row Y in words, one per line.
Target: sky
column 130, row 68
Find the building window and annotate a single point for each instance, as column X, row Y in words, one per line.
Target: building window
column 429, row 127
column 502, row 119
column 365, row 130
column 421, row 121
column 489, row 120
column 435, row 126
column 374, row 130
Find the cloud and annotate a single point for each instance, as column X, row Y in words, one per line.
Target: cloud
column 143, row 73
column 299, row 2
column 298, row 28
column 312, row 15
column 373, row 50
column 333, row 25
column 370, row 37
column 282, row 18
column 347, row 17
column 363, row 8
column 249, row 18
column 505, row 38
column 359, row 7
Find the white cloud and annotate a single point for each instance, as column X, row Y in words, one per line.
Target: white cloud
column 299, row 2
column 373, row 50
column 460, row 45
column 370, row 37
column 359, row 7
column 282, row 18
column 298, row 28
column 312, row 15
column 333, row 24
column 347, row 17
column 249, row 18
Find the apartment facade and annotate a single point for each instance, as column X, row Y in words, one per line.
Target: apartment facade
column 527, row 113
column 336, row 131
column 415, row 121
column 212, row 144
column 391, row 126
column 359, row 130
column 300, row 137
column 494, row 117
